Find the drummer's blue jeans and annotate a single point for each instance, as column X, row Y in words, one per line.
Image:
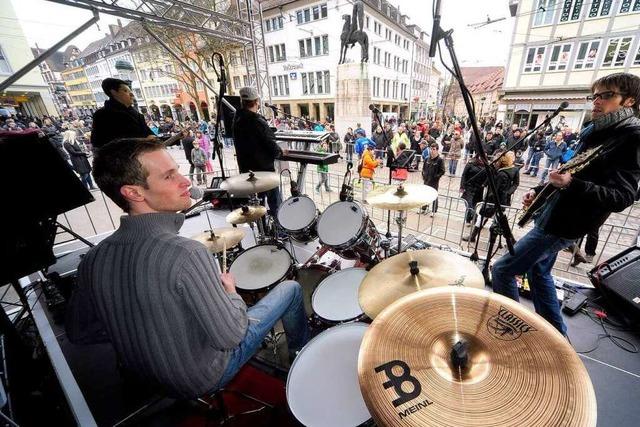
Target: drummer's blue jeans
column 535, row 254
column 282, row 302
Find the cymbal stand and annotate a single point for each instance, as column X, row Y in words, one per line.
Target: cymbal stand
column 400, row 220
column 255, row 201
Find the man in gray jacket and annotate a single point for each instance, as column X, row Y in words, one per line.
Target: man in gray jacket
column 171, row 317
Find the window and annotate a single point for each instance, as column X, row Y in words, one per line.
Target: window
column 535, row 57
column 405, row 66
column 387, row 59
column 600, row 8
column 376, row 86
column 387, row 34
column 277, row 53
column 385, row 88
column 559, row 57
column 311, row 14
column 314, row 46
column 366, row 22
column 587, row 54
column 625, row 6
column 544, row 12
column 315, row 83
column 5, row 67
column 273, row 24
column 397, row 39
column 571, row 10
column 236, row 82
column 280, row 85
column 396, row 63
column 376, row 55
column 395, row 90
column 617, row 51
column 377, row 27
column 406, row 44
column 245, row 80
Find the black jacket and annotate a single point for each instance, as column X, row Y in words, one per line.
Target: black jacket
column 78, row 158
column 473, row 179
column 255, row 142
column 432, row 171
column 114, row 120
column 608, row 184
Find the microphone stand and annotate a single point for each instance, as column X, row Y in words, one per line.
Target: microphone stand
column 390, row 164
column 503, row 223
column 222, row 79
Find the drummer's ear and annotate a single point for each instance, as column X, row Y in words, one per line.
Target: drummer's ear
column 132, row 193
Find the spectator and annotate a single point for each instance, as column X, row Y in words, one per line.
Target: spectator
column 187, row 146
column 553, row 150
column 379, row 140
column 432, row 171
column 455, row 152
column 400, row 137
column 361, row 142
column 349, row 139
column 323, row 170
column 359, row 129
column 205, row 144
column 199, row 160
column 471, row 186
column 79, row 159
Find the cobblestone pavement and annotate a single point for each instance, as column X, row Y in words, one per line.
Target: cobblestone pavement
column 446, row 227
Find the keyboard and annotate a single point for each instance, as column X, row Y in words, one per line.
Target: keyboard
column 312, row 157
column 301, row 135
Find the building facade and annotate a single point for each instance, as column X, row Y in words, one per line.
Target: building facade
column 302, row 40
column 50, row 69
column 559, row 47
column 83, row 102
column 29, row 95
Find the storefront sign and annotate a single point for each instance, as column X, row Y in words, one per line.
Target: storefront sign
column 291, row 67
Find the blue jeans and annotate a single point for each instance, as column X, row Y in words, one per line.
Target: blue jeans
column 282, row 302
column 551, row 164
column 535, row 254
column 535, row 163
column 453, row 166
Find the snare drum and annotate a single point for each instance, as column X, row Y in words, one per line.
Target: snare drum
column 298, row 216
column 335, row 300
column 347, row 229
column 261, row 267
column 322, row 386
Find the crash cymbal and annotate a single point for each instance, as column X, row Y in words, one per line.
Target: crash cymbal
column 246, row 214
column 517, row 370
column 393, row 278
column 228, row 236
column 403, row 197
column 249, row 183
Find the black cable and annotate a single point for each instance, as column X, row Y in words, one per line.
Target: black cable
column 616, row 340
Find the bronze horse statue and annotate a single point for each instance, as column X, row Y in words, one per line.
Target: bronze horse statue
column 349, row 38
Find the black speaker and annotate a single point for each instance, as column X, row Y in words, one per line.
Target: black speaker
column 37, row 186
column 618, row 279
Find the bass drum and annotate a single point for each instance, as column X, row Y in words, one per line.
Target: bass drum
column 346, row 228
column 298, row 216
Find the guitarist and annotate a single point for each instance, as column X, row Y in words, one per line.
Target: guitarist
column 607, row 184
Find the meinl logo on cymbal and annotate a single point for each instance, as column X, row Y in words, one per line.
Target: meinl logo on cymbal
column 507, row 326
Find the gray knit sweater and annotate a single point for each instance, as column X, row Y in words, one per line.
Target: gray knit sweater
column 156, row 296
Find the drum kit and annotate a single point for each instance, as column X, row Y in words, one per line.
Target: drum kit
column 411, row 340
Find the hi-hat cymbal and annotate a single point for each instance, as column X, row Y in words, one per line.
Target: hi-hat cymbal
column 246, row 214
column 466, row 357
column 249, row 183
column 228, row 236
column 393, row 278
column 403, row 197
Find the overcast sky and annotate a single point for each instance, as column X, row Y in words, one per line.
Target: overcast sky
column 45, row 23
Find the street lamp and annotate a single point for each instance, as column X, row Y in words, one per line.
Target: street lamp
column 482, row 105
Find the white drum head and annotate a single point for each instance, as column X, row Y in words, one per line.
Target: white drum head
column 340, row 222
column 260, row 266
column 322, row 386
column 336, row 297
column 296, row 213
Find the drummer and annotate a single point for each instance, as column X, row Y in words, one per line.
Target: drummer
column 172, row 318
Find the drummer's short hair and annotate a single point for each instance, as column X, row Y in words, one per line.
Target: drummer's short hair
column 116, row 164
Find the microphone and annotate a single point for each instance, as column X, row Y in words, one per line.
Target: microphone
column 273, row 107
column 435, row 33
column 374, row 109
column 346, row 193
column 197, row 193
column 560, row 108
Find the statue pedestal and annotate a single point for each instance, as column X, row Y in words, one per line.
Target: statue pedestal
column 353, row 97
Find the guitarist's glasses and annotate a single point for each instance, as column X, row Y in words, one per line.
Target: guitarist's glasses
column 603, row 95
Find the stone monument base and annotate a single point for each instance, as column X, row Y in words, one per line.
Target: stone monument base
column 353, row 96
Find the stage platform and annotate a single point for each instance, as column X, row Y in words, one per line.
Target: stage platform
column 97, row 394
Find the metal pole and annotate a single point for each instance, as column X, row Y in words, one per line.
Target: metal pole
column 24, row 70
column 185, row 65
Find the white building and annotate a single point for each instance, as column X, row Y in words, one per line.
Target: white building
column 559, row 47
column 30, row 94
column 302, row 39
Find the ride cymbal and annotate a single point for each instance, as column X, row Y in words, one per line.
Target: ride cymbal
column 412, row 271
column 246, row 214
column 465, row 357
column 250, row 183
column 403, row 197
column 228, row 236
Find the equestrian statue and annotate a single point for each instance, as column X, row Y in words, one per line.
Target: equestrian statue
column 353, row 32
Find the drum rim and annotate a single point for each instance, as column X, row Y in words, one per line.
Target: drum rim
column 356, row 237
column 265, row 288
column 306, row 227
column 306, row 347
column 337, row 321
